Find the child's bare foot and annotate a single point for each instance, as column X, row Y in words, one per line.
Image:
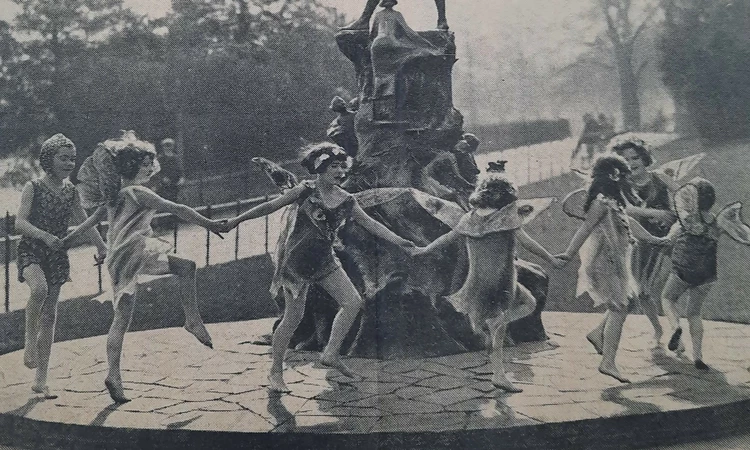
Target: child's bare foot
column 612, row 371
column 277, row 383
column 199, row 331
column 30, row 358
column 500, row 381
column 334, row 362
column 44, row 390
column 597, row 340
column 442, row 25
column 116, row 391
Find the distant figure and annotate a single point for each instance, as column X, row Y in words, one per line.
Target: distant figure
column 341, row 131
column 464, row 151
column 171, row 176
column 363, row 23
column 496, row 166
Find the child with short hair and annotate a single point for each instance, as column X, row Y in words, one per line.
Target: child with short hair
column 133, row 251
column 491, row 296
column 47, row 206
column 604, row 241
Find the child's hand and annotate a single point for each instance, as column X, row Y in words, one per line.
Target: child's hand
column 418, row 251
column 563, row 256
column 217, row 227
column 100, row 257
column 407, row 245
column 558, row 263
column 53, row 242
column 223, row 226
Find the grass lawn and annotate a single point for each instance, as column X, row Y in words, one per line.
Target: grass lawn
column 727, row 166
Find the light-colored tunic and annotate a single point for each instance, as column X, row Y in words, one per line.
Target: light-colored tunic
column 605, row 272
column 132, row 250
column 491, row 283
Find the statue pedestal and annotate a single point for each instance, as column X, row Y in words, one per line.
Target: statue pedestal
column 406, row 114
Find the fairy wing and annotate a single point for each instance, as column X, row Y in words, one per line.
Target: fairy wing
column 681, row 169
column 730, row 220
column 281, row 177
column 530, row 208
column 573, row 204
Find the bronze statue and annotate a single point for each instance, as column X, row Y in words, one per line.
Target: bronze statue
column 341, row 130
column 363, row 23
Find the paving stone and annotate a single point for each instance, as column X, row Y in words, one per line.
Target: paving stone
column 328, row 424
column 450, row 396
column 147, row 404
column 554, row 413
column 237, row 421
column 443, row 382
column 412, row 392
column 397, row 405
column 375, row 387
column 185, row 407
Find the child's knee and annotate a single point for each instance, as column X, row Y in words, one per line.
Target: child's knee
column 39, row 289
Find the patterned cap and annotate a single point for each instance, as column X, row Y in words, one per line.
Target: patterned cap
column 50, row 148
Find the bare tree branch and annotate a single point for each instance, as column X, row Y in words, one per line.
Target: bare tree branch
column 649, row 15
column 639, row 71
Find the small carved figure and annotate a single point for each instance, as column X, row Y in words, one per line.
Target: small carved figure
column 341, row 130
column 364, row 20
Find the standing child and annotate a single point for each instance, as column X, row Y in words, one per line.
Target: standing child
column 305, row 253
column 491, row 296
column 695, row 236
column 47, row 205
column 133, row 252
column 604, row 241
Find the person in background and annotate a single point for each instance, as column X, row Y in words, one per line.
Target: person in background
column 171, row 176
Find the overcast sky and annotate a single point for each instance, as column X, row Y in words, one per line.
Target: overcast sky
column 533, row 27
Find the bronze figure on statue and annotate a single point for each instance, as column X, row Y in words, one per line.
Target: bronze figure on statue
column 363, row 22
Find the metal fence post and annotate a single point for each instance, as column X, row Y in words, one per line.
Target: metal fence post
column 208, row 237
column 175, row 226
column 7, row 261
column 99, row 264
column 266, row 199
column 237, row 232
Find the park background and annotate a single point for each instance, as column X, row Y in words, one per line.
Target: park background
column 235, row 79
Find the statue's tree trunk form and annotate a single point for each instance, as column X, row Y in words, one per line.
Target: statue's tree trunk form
column 405, row 118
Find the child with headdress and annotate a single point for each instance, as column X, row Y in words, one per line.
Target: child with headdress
column 305, row 252
column 47, row 206
column 650, row 262
column 491, row 296
column 133, row 251
column 604, row 240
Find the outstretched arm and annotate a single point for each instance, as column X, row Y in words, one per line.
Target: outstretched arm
column 534, row 247
column 642, row 234
column 441, row 242
column 593, row 216
column 271, row 206
column 662, row 215
column 151, row 200
column 377, row 228
column 87, row 226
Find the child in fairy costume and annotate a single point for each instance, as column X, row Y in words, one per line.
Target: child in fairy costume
column 133, row 251
column 694, row 240
column 604, row 241
column 491, row 296
column 305, row 254
column 47, row 206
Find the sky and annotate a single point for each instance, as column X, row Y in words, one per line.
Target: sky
column 533, row 27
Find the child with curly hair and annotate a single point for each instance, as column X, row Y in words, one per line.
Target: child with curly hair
column 47, row 206
column 604, row 240
column 491, row 296
column 133, row 251
column 305, row 253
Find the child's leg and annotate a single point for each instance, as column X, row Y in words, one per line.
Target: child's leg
column 521, row 306
column 38, row 295
column 340, row 287
column 294, row 309
column 612, row 334
column 673, row 289
column 498, row 326
column 596, row 336
column 115, row 337
column 695, row 320
column 185, row 270
column 45, row 339
column 651, row 310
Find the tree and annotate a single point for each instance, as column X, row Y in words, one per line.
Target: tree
column 615, row 49
column 705, row 47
